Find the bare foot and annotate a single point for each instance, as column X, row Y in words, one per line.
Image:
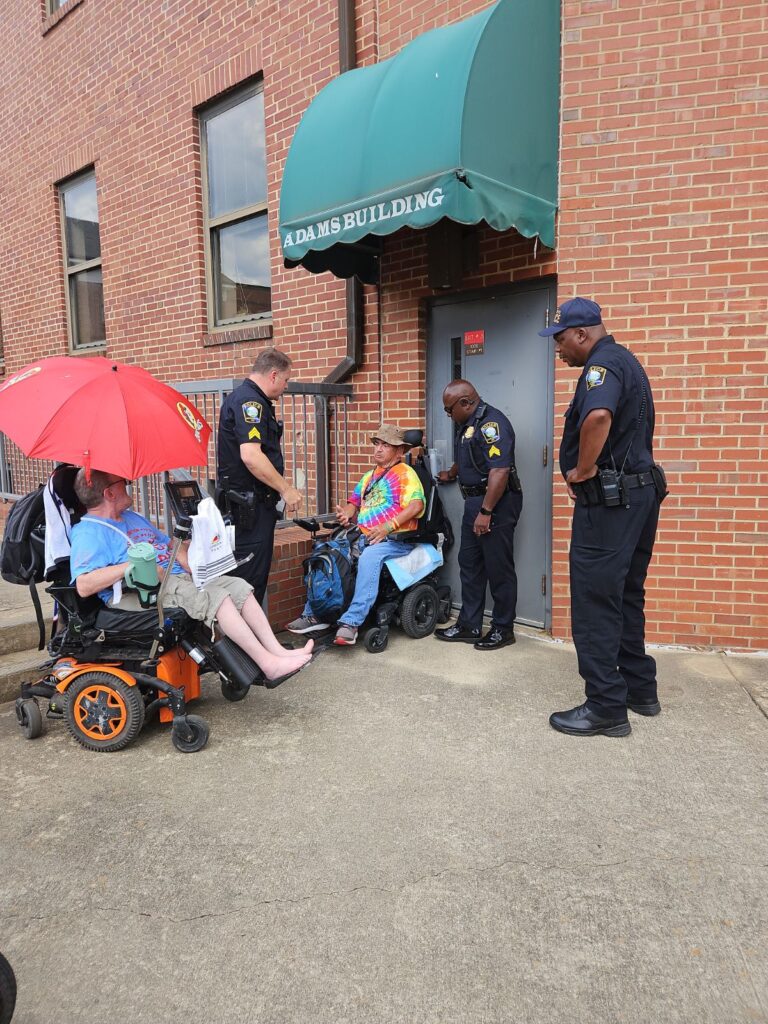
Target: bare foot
column 274, row 667
column 289, row 652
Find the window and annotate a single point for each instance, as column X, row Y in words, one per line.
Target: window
column 54, row 5
column 237, row 238
column 82, row 262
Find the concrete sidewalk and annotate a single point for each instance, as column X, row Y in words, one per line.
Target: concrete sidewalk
column 400, row 838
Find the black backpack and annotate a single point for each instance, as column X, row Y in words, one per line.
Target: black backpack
column 22, row 554
column 434, row 521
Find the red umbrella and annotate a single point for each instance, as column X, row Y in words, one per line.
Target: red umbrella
column 103, row 415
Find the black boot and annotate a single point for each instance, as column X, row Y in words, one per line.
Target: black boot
column 582, row 721
column 458, row 634
column 495, row 638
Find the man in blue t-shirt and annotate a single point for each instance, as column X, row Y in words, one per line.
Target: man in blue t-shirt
column 98, row 560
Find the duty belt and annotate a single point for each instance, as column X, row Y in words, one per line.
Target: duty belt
column 638, row 479
column 475, row 491
column 478, row 490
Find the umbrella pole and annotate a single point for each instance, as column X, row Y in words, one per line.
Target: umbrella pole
column 181, row 532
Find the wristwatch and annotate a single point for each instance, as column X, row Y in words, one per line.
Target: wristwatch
column 485, row 511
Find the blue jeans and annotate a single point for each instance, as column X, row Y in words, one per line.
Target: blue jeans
column 369, row 566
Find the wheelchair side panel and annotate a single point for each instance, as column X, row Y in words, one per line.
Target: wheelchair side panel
column 177, row 668
column 99, row 666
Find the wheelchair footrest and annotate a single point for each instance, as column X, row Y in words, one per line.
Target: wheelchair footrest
column 239, row 667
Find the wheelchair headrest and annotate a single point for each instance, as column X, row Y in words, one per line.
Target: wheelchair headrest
column 63, row 484
column 413, row 437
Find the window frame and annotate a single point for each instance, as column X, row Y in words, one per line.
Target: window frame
column 243, row 213
column 79, row 268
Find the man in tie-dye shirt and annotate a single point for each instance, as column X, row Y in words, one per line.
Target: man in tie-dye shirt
column 386, row 502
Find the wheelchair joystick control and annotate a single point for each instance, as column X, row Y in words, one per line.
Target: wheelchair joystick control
column 182, row 528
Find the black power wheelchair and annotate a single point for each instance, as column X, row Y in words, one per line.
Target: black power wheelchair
column 110, row 669
column 419, row 607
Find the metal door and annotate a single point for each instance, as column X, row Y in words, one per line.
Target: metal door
column 513, row 369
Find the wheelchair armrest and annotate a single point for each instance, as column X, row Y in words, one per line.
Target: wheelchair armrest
column 411, row 537
column 67, row 596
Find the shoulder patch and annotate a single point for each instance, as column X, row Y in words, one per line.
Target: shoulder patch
column 252, row 412
column 595, row 377
column 490, row 431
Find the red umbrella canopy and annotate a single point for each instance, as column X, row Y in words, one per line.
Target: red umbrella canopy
column 101, row 414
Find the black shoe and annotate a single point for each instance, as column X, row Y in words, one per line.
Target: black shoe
column 495, row 638
column 582, row 721
column 458, row 634
column 644, row 706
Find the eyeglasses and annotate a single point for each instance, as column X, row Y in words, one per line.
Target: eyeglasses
column 117, row 480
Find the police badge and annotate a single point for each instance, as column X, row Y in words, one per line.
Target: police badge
column 595, row 377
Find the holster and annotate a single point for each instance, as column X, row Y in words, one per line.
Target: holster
column 660, row 481
column 242, row 508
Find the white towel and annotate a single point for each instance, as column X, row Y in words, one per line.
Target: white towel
column 210, row 549
column 58, row 529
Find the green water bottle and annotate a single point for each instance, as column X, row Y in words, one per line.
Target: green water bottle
column 141, row 574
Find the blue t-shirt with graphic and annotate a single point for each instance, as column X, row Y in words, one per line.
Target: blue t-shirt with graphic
column 95, row 545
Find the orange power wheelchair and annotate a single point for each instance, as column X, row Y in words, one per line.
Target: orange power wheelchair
column 112, row 669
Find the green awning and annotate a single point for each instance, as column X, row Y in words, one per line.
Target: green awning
column 462, row 123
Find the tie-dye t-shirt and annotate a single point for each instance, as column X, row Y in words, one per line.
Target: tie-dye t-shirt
column 381, row 494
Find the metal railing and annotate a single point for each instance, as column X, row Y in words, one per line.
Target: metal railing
column 315, row 447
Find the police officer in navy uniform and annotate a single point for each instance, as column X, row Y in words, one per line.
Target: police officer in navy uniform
column 485, row 467
column 250, row 465
column 606, row 457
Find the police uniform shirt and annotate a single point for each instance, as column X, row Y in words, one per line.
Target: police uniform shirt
column 247, row 417
column 487, row 442
column 612, row 379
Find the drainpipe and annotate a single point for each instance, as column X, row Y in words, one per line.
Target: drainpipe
column 354, row 356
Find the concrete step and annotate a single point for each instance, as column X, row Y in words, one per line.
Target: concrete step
column 18, row 667
column 18, row 626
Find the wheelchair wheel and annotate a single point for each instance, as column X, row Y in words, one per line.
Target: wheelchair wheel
column 30, row 718
column 230, row 690
column 196, row 738
column 376, row 639
column 103, row 712
column 419, row 611
column 7, row 990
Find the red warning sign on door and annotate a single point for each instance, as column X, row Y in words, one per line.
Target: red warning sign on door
column 474, row 343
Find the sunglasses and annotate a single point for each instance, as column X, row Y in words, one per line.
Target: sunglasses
column 448, row 409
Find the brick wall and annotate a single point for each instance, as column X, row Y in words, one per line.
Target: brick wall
column 663, row 220
column 663, row 176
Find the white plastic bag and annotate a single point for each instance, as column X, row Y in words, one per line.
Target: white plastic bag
column 210, row 550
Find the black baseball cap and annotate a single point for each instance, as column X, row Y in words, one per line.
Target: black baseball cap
column 574, row 313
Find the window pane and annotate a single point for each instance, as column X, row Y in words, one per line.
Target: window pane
column 86, row 300
column 237, row 172
column 82, row 221
column 241, row 266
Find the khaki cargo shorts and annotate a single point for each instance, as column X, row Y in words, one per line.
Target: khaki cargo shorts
column 202, row 605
